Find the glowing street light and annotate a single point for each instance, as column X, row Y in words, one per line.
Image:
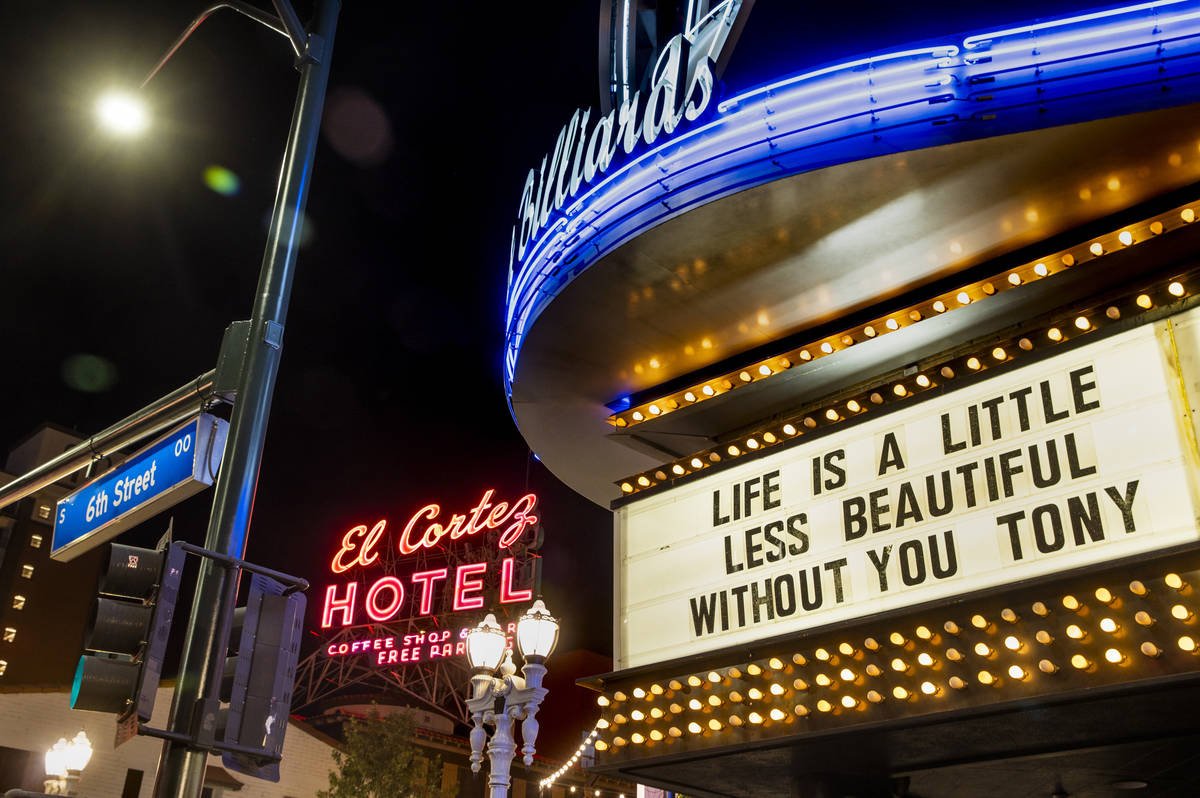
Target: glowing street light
column 537, row 633
column 65, row 762
column 122, row 113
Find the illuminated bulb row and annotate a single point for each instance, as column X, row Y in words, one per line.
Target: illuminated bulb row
column 1115, row 653
column 996, row 355
column 1179, row 217
column 591, row 738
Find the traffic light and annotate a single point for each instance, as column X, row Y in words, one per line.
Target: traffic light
column 127, row 634
column 259, row 680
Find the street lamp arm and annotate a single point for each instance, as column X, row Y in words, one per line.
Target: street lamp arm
column 256, row 14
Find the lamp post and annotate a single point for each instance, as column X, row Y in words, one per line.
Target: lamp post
column 509, row 698
column 65, row 762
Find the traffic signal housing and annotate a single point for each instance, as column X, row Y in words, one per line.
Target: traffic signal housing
column 126, row 637
column 259, row 680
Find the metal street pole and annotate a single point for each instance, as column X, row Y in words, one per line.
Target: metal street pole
column 181, row 767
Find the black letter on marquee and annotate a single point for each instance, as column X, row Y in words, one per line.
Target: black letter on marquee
column 890, row 456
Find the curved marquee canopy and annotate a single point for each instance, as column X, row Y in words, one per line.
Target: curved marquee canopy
column 1089, row 66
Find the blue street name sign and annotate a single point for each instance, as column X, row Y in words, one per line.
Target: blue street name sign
column 178, row 465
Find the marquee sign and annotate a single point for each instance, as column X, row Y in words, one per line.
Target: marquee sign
column 1084, row 458
column 453, row 570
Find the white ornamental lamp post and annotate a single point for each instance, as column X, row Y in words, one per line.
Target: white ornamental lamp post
column 501, row 701
column 65, row 762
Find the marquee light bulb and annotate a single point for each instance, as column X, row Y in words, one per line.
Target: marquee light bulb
column 973, row 363
column 656, row 713
column 1080, row 662
column 694, row 680
column 1070, row 602
column 1188, row 215
column 1014, row 278
column 714, row 700
column 1186, row 643
column 1174, row 581
column 714, row 724
column 849, row 702
column 1082, row 323
column 847, row 675
column 637, row 714
column 714, row 677
column 1012, row 643
column 925, row 659
column 677, row 469
column 694, row 727
column 963, row 298
column 775, row 664
column 821, row 654
column 899, row 389
column 753, row 669
column 1108, row 625
column 1125, row 237
column 985, row 677
column 777, row 714
column 688, row 396
column 603, row 700
column 776, row 689
column 846, row 649
column 896, row 638
column 1151, row 650
column 1137, row 588
column 1143, row 618
column 637, row 738
column 1044, row 637
column 821, row 679
column 1114, row 656
column 874, row 696
column 900, row 693
column 1009, row 615
column 694, row 704
column 755, row 717
column 983, row 649
column 953, row 654
column 892, row 324
column 1096, row 248
column 899, row 665
column 939, row 306
column 951, row 627
column 929, row 688
column 1040, row 270
column 789, row 429
column 800, row 710
column 1180, row 612
column 1075, row 632
column 979, row 622
column 1046, row 666
column 1054, row 334
column 957, row 682
column 755, row 694
column 824, row 706
column 923, row 632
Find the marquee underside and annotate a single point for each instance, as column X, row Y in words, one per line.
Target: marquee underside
column 758, row 272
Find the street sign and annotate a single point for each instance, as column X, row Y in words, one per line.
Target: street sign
column 178, row 465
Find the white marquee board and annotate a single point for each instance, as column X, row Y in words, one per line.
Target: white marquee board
column 1080, row 459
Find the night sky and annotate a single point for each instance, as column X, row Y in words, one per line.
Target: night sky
column 121, row 266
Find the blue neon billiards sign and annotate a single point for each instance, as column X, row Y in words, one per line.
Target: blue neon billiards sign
column 1103, row 63
column 174, row 467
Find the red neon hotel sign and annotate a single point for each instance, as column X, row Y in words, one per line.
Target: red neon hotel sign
column 385, row 598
